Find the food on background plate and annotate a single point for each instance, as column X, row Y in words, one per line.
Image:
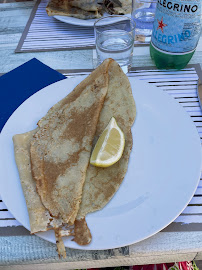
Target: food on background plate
column 56, row 176
column 88, row 9
column 64, row 8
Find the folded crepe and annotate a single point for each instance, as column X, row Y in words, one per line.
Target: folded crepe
column 102, row 183
column 59, row 185
column 60, row 150
column 88, row 9
column 64, row 8
column 39, row 217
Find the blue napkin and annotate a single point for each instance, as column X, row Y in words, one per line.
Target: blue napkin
column 19, row 84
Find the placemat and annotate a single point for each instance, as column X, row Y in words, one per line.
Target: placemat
column 182, row 85
column 44, row 33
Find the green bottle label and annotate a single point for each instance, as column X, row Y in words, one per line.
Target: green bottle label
column 177, row 26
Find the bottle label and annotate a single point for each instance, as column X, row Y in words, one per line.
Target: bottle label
column 177, row 25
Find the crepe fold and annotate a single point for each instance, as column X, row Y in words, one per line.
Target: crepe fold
column 60, row 150
column 39, row 216
column 102, row 183
column 59, row 185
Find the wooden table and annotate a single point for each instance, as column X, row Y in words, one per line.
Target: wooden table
column 164, row 246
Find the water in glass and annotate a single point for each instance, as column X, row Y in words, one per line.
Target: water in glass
column 116, row 44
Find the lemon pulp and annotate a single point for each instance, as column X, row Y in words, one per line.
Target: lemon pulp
column 109, row 147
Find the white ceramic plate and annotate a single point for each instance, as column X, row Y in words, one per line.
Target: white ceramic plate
column 163, row 172
column 80, row 22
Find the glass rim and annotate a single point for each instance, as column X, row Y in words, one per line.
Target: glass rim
column 132, row 23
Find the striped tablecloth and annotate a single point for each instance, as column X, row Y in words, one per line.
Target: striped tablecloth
column 44, row 33
column 182, row 86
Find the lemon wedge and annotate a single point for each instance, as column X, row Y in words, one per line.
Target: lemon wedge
column 109, row 147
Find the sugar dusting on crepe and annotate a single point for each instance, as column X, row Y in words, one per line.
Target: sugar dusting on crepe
column 102, row 183
column 60, row 150
column 59, row 185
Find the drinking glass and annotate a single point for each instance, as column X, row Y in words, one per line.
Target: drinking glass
column 143, row 12
column 114, row 37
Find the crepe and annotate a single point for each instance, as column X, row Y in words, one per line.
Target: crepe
column 98, row 78
column 64, row 8
column 60, row 150
column 39, row 217
column 59, row 185
column 92, row 90
column 102, row 183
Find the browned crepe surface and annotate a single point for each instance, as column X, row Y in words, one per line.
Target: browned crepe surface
column 39, row 217
column 102, row 183
column 60, row 150
column 60, row 153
